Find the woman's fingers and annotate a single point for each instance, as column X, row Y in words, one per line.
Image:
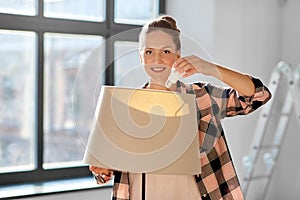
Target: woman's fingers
column 98, row 170
column 102, row 175
column 187, row 65
column 102, row 179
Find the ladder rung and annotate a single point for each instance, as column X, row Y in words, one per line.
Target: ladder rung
column 277, row 115
column 257, row 177
column 266, row 147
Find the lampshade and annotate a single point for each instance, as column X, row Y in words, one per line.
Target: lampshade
column 144, row 131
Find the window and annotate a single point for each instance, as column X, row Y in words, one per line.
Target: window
column 17, row 97
column 90, row 10
column 44, row 44
column 21, row 7
column 142, row 11
column 128, row 69
column 64, row 55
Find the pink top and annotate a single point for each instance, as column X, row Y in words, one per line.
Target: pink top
column 162, row 187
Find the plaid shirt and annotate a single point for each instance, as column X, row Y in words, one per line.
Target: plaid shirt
column 218, row 180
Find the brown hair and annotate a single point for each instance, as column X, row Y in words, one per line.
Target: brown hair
column 163, row 23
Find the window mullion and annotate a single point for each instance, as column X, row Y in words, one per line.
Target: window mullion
column 109, row 15
column 109, row 64
column 40, row 9
column 40, row 102
column 109, row 51
column 162, row 6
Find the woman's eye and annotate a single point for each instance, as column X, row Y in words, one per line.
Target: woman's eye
column 148, row 52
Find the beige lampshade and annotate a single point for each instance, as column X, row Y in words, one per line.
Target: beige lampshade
column 144, row 131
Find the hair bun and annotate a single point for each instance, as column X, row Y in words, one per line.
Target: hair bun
column 171, row 21
column 166, row 24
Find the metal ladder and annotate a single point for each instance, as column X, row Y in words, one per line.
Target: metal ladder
column 260, row 163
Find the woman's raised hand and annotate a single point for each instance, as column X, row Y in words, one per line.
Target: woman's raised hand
column 189, row 65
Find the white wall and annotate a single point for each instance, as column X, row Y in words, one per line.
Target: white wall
column 195, row 19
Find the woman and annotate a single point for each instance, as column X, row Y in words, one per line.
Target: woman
column 160, row 51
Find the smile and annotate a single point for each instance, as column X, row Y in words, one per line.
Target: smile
column 158, row 69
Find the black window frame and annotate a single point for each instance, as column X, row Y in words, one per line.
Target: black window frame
column 40, row 25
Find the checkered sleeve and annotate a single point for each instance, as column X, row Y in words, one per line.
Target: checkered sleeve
column 226, row 102
column 241, row 105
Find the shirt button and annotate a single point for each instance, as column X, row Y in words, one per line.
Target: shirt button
column 205, row 197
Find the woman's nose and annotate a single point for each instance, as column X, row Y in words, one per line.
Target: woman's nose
column 158, row 58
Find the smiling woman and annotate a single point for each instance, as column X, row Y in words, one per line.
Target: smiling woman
column 158, row 56
column 159, row 49
column 160, row 53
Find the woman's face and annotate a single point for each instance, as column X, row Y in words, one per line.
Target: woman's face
column 157, row 55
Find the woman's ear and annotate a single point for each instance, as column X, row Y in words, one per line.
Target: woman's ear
column 141, row 59
column 178, row 54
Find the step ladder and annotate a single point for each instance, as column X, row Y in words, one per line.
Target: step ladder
column 268, row 136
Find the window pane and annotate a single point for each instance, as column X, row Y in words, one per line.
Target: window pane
column 135, row 11
column 21, row 7
column 89, row 10
column 128, row 69
column 17, row 97
column 64, row 55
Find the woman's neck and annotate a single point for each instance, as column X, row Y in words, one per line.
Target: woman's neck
column 157, row 86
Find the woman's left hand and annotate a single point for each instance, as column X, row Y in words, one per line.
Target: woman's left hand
column 189, row 65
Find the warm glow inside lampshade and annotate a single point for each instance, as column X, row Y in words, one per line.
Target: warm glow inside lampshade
column 154, row 102
column 147, row 131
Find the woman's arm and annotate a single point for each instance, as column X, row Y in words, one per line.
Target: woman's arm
column 190, row 65
column 240, row 82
